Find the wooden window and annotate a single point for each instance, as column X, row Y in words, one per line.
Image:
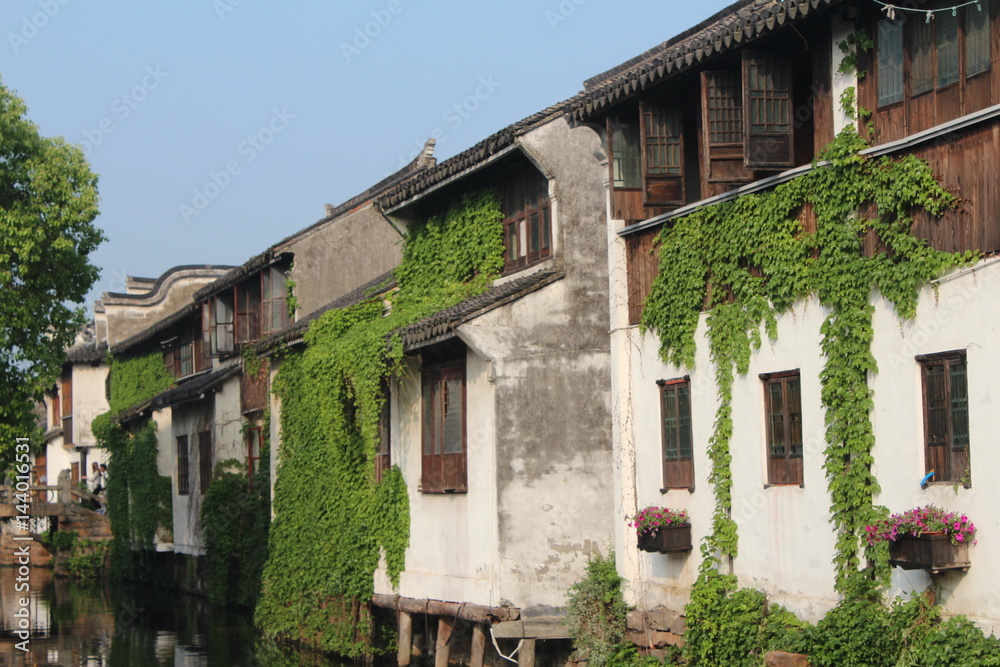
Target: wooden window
column 248, row 307
column 223, row 329
column 383, row 458
column 662, row 154
column 783, row 410
column 255, row 439
column 204, row 460
column 675, row 409
column 722, row 120
column 626, row 156
column 443, row 428
column 183, row 469
column 527, row 220
column 55, row 418
column 274, row 304
column 977, row 38
column 889, row 54
column 67, row 407
column 767, row 110
column 946, row 48
column 946, row 416
column 205, row 358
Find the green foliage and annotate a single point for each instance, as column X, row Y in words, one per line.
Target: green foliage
column 333, row 520
column 957, row 643
column 859, row 40
column 750, row 260
column 235, row 522
column 48, row 201
column 87, row 558
column 136, row 379
column 59, row 540
column 595, row 612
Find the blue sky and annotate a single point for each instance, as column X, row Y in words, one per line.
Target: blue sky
column 219, row 127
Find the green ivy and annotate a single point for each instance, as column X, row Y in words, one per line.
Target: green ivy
column 138, row 498
column 748, row 260
column 596, row 613
column 332, row 518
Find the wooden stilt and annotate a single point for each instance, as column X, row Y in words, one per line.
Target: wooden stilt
column 405, row 650
column 441, row 655
column 526, row 656
column 478, row 645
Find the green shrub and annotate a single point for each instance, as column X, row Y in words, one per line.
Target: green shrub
column 596, row 612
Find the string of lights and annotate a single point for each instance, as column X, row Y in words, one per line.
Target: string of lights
column 890, row 9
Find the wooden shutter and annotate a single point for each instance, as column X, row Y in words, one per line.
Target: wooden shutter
column 183, row 471
column 722, row 128
column 662, row 154
column 444, row 446
column 783, row 408
column 67, row 408
column 643, row 265
column 767, row 111
column 205, row 460
column 675, row 413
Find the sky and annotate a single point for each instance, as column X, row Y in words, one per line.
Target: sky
column 219, row 127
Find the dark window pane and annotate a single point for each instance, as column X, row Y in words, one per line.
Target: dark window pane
column 890, row 62
column 626, row 159
column 921, row 57
column 959, row 406
column 684, row 413
column 947, row 48
column 977, row 38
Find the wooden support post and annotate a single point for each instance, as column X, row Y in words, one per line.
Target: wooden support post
column 478, row 644
column 526, row 656
column 443, row 651
column 405, row 643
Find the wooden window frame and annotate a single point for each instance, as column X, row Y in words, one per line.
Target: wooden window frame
column 772, row 146
column 254, row 442
column 785, row 469
column 204, row 461
column 662, row 188
column 938, row 451
column 909, row 45
column 678, row 468
column 442, row 472
column 248, row 299
column 622, row 154
column 383, row 455
column 66, row 409
column 525, row 195
column 183, row 466
column 273, row 300
column 223, row 324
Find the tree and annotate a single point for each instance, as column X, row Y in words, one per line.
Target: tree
column 48, row 201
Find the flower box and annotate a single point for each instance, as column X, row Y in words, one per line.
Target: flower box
column 666, row 539
column 934, row 552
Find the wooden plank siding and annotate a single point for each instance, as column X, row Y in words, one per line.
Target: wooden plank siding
column 643, row 265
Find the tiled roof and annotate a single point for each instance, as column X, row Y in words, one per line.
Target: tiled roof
column 88, row 352
column 471, row 157
column 187, row 390
column 156, row 328
column 441, row 325
column 732, row 28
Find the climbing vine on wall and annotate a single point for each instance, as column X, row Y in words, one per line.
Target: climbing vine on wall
column 332, row 519
column 139, row 499
column 748, row 260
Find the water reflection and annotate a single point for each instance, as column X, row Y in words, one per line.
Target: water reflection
column 79, row 625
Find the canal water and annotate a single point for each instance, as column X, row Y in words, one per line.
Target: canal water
column 93, row 625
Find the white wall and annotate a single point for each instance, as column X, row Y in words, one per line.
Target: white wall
column 785, row 540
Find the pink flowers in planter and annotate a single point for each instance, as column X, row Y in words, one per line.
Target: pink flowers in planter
column 652, row 518
column 929, row 519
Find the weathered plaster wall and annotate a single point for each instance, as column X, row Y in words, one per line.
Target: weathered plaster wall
column 89, row 400
column 338, row 256
column 785, row 540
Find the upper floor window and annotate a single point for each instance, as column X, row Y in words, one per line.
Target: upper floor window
column 675, row 408
column 256, row 306
column 917, row 56
column 946, row 416
column 443, row 428
column 183, row 470
column 783, row 411
column 184, row 353
column 254, row 441
column 66, row 394
column 527, row 217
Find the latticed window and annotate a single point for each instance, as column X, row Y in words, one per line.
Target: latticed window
column 783, row 410
column 664, row 153
column 274, row 307
column 767, row 110
column 675, row 408
column 946, row 416
column 724, row 106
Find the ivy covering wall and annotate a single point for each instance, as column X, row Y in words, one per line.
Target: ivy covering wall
column 332, row 519
column 743, row 263
column 139, row 498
